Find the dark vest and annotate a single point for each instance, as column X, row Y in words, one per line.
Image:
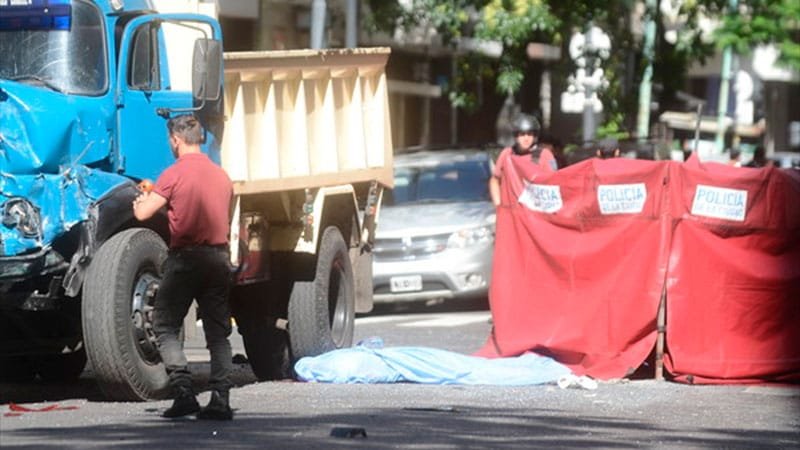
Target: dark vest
column 535, row 152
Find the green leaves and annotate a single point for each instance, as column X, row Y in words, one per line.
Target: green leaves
column 510, row 79
column 764, row 22
column 515, row 23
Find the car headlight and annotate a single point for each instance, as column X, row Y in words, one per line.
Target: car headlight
column 470, row 237
column 19, row 213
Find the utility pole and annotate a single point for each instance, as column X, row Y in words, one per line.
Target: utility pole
column 724, row 87
column 318, row 24
column 646, row 86
column 588, row 100
column 351, row 24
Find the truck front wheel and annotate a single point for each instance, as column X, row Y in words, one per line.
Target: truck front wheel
column 118, row 296
column 322, row 311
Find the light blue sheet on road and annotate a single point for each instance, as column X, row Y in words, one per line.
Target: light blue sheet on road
column 370, row 365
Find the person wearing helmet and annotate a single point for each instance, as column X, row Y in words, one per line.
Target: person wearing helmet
column 607, row 149
column 521, row 159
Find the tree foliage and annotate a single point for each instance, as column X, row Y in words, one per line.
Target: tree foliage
column 764, row 22
column 515, row 23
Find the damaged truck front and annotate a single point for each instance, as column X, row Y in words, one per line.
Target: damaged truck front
column 86, row 87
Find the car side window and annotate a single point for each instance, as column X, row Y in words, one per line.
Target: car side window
column 143, row 69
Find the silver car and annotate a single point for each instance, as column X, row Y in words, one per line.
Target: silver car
column 435, row 234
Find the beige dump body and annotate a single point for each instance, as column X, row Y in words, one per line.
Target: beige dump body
column 306, row 118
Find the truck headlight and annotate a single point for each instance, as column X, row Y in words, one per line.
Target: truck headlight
column 469, row 237
column 19, row 213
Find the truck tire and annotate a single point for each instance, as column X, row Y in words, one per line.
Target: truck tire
column 322, row 311
column 267, row 351
column 117, row 316
column 267, row 347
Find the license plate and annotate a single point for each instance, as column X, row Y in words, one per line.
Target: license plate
column 406, row 283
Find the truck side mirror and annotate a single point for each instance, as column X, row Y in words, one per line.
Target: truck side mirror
column 206, row 69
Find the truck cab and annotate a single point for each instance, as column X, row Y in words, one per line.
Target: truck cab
column 85, row 91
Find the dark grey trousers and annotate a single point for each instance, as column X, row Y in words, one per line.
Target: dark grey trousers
column 196, row 273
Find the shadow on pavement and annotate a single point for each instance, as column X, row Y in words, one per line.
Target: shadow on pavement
column 38, row 391
column 454, row 426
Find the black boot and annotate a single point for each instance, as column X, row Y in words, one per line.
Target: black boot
column 218, row 407
column 185, row 403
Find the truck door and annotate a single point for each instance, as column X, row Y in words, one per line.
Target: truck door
column 154, row 83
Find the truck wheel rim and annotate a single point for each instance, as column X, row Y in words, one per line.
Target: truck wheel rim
column 142, row 316
column 337, row 304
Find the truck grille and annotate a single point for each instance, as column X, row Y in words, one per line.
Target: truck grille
column 409, row 248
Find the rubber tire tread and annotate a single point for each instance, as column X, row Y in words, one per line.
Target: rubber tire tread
column 268, row 359
column 309, row 315
column 122, row 374
column 265, row 345
column 255, row 308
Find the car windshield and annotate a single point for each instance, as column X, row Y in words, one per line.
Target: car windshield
column 69, row 61
column 447, row 182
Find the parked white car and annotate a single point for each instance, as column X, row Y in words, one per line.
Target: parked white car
column 435, row 235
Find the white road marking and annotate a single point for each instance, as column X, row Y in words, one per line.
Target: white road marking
column 428, row 320
column 376, row 319
column 448, row 321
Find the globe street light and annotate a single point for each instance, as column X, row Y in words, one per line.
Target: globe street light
column 588, row 50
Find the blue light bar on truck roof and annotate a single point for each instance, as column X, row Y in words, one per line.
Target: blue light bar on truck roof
column 35, row 15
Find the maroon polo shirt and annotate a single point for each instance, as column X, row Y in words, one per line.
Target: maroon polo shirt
column 198, row 194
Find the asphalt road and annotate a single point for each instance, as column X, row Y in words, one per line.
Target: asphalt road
column 624, row 414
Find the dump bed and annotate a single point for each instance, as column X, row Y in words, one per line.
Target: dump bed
column 306, row 118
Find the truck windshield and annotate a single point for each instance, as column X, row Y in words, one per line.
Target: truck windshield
column 71, row 62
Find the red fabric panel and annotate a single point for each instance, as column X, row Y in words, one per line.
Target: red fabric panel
column 733, row 292
column 575, row 284
column 513, row 169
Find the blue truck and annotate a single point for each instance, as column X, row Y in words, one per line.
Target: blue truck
column 85, row 91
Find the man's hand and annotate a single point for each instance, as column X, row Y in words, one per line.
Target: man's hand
column 146, row 204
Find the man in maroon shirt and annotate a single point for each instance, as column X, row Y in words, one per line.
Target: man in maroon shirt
column 197, row 194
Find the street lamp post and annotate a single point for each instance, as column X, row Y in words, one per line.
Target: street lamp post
column 588, row 101
column 725, row 79
column 645, row 86
column 588, row 50
column 318, row 8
